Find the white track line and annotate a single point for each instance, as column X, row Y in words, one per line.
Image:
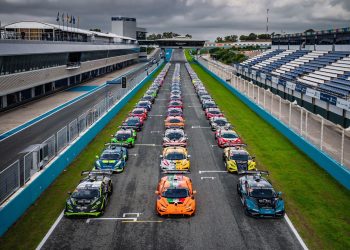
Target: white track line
column 48, row 234
column 211, row 171
column 290, row 224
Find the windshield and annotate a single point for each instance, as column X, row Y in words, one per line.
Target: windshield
column 132, row 121
column 214, row 112
column 174, row 103
column 110, row 156
column 174, row 136
column 262, row 193
column 175, row 193
column 86, row 194
column 174, row 120
column 229, row 135
column 174, row 111
column 123, row 136
column 220, row 122
column 239, row 157
column 173, row 156
column 137, row 112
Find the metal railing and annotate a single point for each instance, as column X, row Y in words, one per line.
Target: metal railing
column 323, row 134
column 19, row 173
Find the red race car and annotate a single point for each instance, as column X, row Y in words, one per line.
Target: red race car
column 227, row 138
column 140, row 112
column 213, row 112
column 175, row 104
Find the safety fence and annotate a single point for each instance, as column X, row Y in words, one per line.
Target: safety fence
column 327, row 136
column 36, row 157
column 326, row 143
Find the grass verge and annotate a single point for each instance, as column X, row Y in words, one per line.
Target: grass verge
column 29, row 230
column 318, row 206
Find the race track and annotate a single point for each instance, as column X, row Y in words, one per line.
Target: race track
column 219, row 223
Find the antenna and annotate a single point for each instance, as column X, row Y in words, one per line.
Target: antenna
column 267, row 21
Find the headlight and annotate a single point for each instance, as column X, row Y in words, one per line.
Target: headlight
column 96, row 204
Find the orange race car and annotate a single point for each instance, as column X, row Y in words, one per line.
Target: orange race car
column 175, row 196
column 174, row 122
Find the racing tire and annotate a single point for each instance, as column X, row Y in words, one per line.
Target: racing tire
column 238, row 192
column 111, row 190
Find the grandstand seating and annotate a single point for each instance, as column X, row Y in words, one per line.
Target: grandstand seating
column 328, row 71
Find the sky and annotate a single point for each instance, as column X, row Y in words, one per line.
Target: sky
column 203, row 19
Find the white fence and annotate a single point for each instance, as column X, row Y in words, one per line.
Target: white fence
column 327, row 136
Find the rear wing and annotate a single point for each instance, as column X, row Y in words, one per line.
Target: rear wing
column 253, row 172
column 97, row 172
column 176, row 172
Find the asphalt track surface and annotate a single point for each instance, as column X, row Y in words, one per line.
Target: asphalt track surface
column 219, row 222
column 42, row 130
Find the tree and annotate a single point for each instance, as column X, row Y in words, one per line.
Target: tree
column 243, row 38
column 231, row 38
column 309, row 30
column 152, row 37
column 219, row 40
column 252, row 37
column 264, row 36
column 188, row 35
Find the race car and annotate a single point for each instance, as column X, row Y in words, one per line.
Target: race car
column 219, row 123
column 175, row 104
column 175, row 160
column 175, row 196
column 151, row 93
column 144, row 104
column 208, row 104
column 133, row 122
column 174, row 137
column 91, row 196
column 174, row 112
column 174, row 122
column 175, row 92
column 140, row 112
column 125, row 137
column 258, row 197
column 148, row 98
column 113, row 158
column 227, row 138
column 213, row 112
column 175, row 97
column 205, row 98
column 237, row 159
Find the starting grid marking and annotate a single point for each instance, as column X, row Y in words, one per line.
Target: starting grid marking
column 155, row 131
column 211, row 171
column 198, row 126
column 127, row 218
column 208, row 177
column 148, row 145
column 155, row 115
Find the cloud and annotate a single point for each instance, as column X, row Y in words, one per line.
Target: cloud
column 201, row 18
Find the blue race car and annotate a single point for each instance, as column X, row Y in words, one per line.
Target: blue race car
column 258, row 196
column 113, row 158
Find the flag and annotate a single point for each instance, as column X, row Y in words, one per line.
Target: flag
column 70, row 19
column 62, row 18
column 67, row 18
column 78, row 21
column 73, row 20
column 58, row 17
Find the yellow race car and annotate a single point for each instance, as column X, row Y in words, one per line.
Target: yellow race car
column 175, row 160
column 238, row 159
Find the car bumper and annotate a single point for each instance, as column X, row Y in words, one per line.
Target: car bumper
column 82, row 214
column 179, row 210
column 266, row 213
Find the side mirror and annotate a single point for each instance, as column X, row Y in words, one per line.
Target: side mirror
column 156, row 192
column 279, row 194
column 194, row 192
column 97, row 157
column 160, row 156
column 69, row 193
column 112, row 135
column 253, row 157
column 188, row 156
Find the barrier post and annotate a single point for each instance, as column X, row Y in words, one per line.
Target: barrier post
column 264, row 98
column 280, row 108
column 306, row 123
column 301, row 121
column 290, row 114
column 342, row 147
column 321, row 141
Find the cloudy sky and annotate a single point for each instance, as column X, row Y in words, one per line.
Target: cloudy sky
column 204, row 19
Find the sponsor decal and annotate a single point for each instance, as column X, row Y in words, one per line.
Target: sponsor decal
column 290, row 85
column 343, row 104
column 313, row 93
column 328, row 98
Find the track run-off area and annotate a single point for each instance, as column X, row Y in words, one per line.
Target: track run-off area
column 130, row 220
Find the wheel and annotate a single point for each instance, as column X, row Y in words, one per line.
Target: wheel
column 111, row 189
column 238, row 191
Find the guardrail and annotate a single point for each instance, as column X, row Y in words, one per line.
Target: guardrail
column 13, row 208
column 334, row 168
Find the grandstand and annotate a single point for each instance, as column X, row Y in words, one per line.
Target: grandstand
column 317, row 79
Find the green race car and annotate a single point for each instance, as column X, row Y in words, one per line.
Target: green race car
column 91, row 196
column 125, row 137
